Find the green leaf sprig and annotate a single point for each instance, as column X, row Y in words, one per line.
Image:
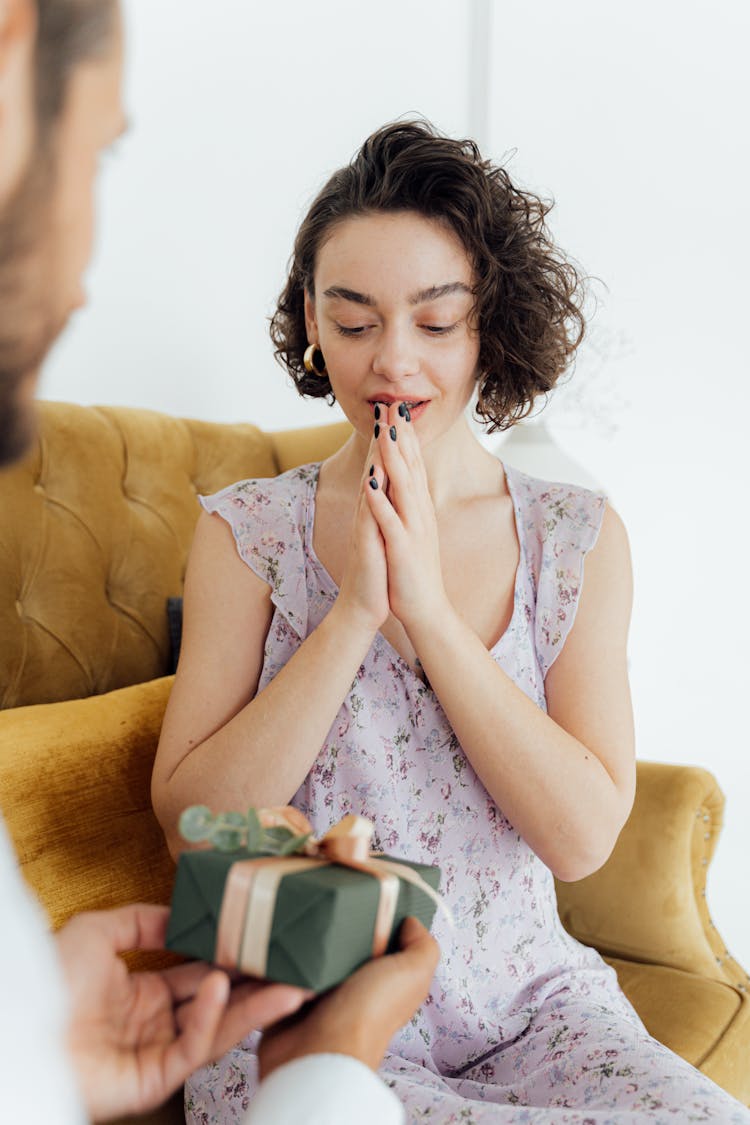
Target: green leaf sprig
column 235, row 831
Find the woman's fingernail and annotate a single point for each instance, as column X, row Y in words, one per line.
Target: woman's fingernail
column 407, row 415
column 372, row 470
column 402, row 409
column 377, row 412
column 377, row 430
column 392, row 432
column 373, row 482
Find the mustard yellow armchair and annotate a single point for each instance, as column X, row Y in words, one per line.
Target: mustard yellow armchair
column 646, row 912
column 95, row 529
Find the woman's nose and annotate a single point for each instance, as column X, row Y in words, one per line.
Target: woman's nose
column 396, row 355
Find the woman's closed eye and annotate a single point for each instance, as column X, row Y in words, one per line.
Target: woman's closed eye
column 352, row 330
column 430, row 329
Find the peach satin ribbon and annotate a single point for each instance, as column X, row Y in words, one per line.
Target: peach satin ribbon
column 252, row 886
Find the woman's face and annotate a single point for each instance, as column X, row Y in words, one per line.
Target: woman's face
column 392, row 317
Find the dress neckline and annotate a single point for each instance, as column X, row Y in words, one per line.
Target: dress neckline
column 310, row 499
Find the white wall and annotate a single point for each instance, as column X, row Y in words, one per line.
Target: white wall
column 633, row 118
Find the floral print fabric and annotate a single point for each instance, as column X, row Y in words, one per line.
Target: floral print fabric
column 523, row 1023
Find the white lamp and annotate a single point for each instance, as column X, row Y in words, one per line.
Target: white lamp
column 530, row 447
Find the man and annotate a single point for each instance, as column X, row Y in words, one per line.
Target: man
column 131, row 1039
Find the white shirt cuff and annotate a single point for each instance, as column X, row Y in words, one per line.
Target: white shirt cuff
column 324, row 1090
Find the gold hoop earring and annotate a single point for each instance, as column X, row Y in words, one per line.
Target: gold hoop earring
column 312, row 357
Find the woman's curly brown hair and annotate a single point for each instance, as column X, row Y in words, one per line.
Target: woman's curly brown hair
column 528, row 296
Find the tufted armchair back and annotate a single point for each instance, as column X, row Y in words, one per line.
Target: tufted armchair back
column 95, row 528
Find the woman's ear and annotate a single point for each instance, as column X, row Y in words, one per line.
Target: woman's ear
column 311, row 323
column 18, row 26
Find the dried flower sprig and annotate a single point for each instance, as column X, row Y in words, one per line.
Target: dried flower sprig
column 261, row 831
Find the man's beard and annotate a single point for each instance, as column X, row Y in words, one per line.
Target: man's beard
column 28, row 325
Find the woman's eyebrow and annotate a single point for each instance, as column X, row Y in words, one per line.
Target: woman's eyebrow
column 437, row 291
column 344, row 294
column 341, row 292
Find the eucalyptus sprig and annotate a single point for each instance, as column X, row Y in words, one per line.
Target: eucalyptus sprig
column 234, row 831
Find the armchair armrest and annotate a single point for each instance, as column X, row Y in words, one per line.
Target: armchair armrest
column 648, row 902
column 75, row 794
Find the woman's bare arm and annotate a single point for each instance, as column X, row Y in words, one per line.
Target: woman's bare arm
column 565, row 779
column 222, row 744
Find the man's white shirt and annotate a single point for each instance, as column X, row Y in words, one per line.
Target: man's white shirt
column 324, row 1090
column 37, row 1079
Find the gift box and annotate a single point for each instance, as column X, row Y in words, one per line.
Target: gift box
column 288, row 908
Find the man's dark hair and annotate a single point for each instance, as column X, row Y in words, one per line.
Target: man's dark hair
column 69, row 32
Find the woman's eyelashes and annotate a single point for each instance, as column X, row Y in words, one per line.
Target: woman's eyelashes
column 429, row 329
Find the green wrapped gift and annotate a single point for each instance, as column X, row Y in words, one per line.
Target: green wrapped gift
column 285, row 907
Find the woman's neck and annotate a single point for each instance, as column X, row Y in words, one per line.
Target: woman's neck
column 458, row 467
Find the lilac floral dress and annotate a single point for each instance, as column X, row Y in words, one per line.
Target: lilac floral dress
column 523, row 1024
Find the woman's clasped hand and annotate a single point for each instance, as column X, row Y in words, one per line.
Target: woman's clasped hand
column 394, row 564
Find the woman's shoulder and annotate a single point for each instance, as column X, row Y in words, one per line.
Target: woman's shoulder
column 264, row 496
column 560, row 523
column 267, row 517
column 552, row 513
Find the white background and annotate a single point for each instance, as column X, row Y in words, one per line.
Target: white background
column 633, row 117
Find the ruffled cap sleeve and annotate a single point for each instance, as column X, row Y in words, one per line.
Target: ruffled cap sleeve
column 267, row 520
column 561, row 525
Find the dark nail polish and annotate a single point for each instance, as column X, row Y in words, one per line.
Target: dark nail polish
column 392, row 432
column 402, row 409
column 407, row 415
column 372, row 470
column 373, row 482
column 377, row 430
column 377, row 412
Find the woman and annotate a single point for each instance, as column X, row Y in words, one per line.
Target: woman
column 403, row 632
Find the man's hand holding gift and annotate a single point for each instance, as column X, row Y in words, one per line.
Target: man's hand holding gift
column 359, row 1017
column 134, row 1038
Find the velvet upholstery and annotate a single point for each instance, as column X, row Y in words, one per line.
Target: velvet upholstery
column 646, row 911
column 94, row 531
column 95, row 528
